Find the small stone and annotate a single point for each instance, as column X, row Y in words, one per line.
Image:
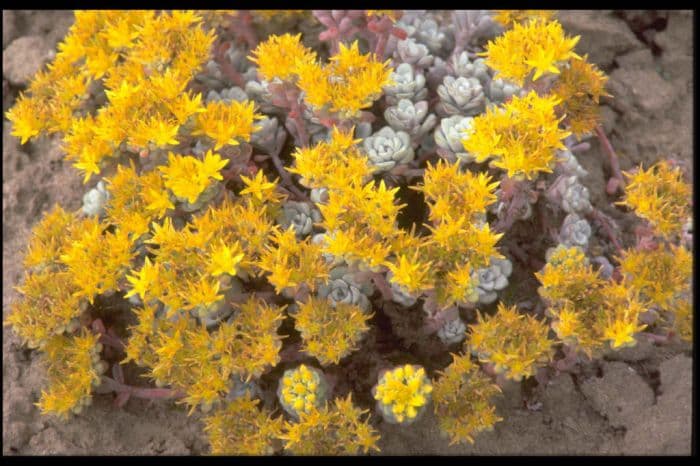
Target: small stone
column 9, row 29
column 23, row 58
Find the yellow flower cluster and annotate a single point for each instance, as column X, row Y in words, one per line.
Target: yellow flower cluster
column 522, row 136
column 660, row 196
column 332, row 164
column 359, row 216
column 70, row 261
column 225, row 123
column 182, row 353
column 292, row 263
column 136, row 200
column 336, row 430
column 280, row 56
column 188, row 262
column 187, row 177
column 142, row 60
column 516, row 344
column 402, row 393
column 241, row 428
column 348, row 84
column 510, row 17
column 330, row 333
column 579, row 88
column 74, row 369
column 302, row 390
column 661, row 275
column 462, row 397
column 460, row 241
column 588, row 311
column 537, row 45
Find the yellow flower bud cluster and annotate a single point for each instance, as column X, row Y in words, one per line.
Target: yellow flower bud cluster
column 302, row 390
column 402, row 393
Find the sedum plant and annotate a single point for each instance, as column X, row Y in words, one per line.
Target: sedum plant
column 267, row 212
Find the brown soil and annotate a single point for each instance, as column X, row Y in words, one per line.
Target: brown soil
column 637, row 401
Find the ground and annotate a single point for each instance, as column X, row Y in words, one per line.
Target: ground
column 637, row 401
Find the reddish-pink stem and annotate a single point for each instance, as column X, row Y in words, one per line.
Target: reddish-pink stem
column 141, row 392
column 614, row 161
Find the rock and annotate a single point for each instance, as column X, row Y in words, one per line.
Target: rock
column 603, row 36
column 16, row 436
column 676, row 382
column 9, row 27
column 636, row 59
column 23, row 58
column 676, row 42
column 647, row 89
column 644, row 349
column 665, row 428
column 620, row 395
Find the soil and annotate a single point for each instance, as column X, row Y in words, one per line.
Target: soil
column 637, row 401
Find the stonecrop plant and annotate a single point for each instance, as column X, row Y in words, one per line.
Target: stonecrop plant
column 286, row 226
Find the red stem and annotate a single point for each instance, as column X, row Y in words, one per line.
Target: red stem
column 614, row 161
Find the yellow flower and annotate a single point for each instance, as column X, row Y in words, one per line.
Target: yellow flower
column 410, row 273
column 522, row 137
column 280, row 56
column 25, row 118
column 350, row 83
column 259, row 186
column 621, row 333
column 659, row 195
column 224, row 123
column 537, row 45
column 402, row 393
column 143, row 281
column 224, row 259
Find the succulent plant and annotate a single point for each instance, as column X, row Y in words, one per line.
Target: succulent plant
column 569, row 165
column 453, row 331
column 460, row 96
column 302, row 389
column 461, row 66
column 227, row 95
column 407, row 84
column 449, row 135
column 299, row 215
column 492, row 279
column 574, row 196
column 386, row 148
column 411, row 52
column 575, row 231
column 342, row 287
column 500, row 90
column 95, row 199
column 411, row 118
